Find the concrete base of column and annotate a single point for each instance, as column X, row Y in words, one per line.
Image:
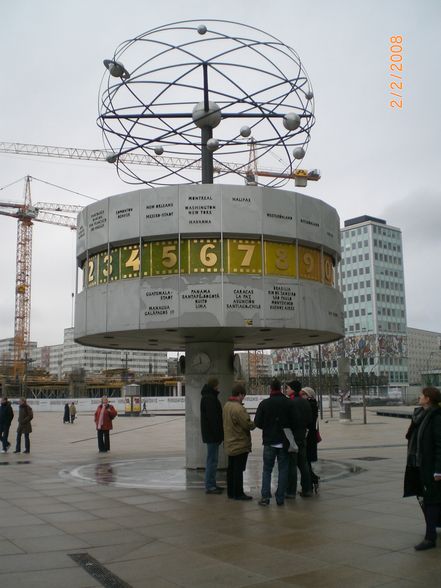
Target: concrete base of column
column 221, row 367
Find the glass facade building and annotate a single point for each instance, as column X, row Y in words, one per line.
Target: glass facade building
column 371, row 278
column 372, row 282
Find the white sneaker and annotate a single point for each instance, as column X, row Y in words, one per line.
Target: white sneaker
column 3, row 451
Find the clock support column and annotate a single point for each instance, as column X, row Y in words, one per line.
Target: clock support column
column 196, row 375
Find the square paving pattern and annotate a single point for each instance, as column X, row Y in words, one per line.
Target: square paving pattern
column 141, row 520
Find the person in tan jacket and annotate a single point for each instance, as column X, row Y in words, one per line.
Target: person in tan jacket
column 237, row 441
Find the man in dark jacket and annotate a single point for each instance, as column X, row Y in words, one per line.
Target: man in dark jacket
column 6, row 416
column 272, row 416
column 212, row 432
column 25, row 416
column 299, row 460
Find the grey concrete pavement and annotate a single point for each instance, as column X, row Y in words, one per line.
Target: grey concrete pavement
column 148, row 522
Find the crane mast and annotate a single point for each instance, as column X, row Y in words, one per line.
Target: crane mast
column 22, row 321
column 26, row 214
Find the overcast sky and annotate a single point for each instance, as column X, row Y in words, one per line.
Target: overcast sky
column 374, row 160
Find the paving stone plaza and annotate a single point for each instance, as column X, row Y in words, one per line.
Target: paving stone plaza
column 72, row 517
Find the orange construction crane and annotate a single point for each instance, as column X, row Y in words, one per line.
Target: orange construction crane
column 27, row 214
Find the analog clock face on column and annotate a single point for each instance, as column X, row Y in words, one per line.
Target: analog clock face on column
column 200, row 363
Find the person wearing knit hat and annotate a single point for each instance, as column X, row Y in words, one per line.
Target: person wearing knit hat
column 307, row 392
column 311, row 436
column 294, row 388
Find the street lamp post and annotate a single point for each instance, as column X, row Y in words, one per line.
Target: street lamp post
column 319, row 375
column 363, row 390
column 429, row 377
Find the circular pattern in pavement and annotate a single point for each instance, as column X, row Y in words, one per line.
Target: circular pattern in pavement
column 155, row 473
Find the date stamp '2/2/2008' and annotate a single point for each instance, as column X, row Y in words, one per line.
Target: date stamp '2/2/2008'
column 396, row 71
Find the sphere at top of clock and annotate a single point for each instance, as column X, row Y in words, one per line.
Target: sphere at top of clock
column 229, row 77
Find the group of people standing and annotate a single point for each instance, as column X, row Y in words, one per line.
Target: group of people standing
column 288, row 420
column 104, row 415
column 70, row 412
column 24, row 427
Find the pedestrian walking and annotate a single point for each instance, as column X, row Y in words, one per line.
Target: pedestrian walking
column 104, row 415
column 25, row 416
column 66, row 414
column 6, row 416
column 212, row 432
column 423, row 470
column 237, row 441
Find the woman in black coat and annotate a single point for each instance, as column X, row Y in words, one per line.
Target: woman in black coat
column 423, row 471
column 311, row 437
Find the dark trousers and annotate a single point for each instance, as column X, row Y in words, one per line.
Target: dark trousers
column 298, row 460
column 431, row 514
column 270, row 454
column 103, row 440
column 27, row 442
column 314, row 478
column 4, row 432
column 235, row 470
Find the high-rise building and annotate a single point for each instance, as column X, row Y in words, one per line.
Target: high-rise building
column 424, row 349
column 372, row 283
column 372, row 277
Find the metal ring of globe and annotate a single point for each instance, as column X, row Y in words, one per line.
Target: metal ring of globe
column 182, row 91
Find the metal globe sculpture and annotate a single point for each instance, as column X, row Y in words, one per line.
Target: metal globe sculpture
column 217, row 267
column 218, row 95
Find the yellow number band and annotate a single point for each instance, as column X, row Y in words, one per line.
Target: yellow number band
column 209, row 256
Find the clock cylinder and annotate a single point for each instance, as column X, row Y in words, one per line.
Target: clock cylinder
column 163, row 267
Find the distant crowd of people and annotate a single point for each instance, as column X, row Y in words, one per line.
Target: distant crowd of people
column 104, row 415
column 70, row 412
column 24, row 427
column 288, row 420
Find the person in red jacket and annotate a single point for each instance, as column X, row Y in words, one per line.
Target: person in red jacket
column 104, row 415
